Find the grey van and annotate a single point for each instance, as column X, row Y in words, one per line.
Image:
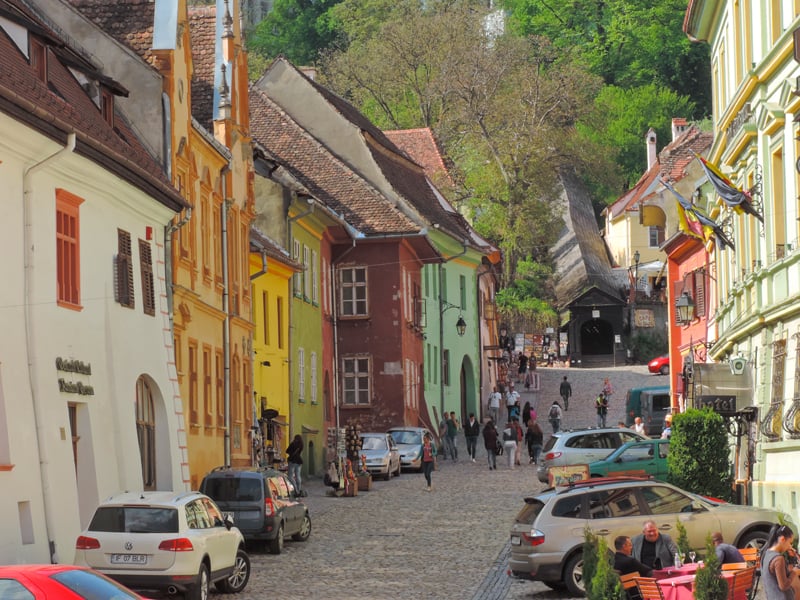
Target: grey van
column 262, row 503
column 650, row 403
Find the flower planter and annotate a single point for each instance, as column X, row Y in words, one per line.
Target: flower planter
column 365, row 482
column 352, row 488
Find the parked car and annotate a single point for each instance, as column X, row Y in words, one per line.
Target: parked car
column 173, row 542
column 642, row 458
column 548, row 533
column 652, row 404
column 409, row 444
column 582, row 446
column 383, row 457
column 262, row 502
column 65, row 582
column 659, row 365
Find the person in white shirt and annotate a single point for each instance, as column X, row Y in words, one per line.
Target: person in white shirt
column 494, row 405
column 638, row 426
column 512, row 397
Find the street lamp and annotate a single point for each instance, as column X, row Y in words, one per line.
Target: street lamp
column 461, row 326
column 685, row 306
column 634, row 285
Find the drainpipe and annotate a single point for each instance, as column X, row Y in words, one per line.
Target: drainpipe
column 51, row 508
column 226, row 328
column 335, row 315
column 169, row 231
column 441, row 324
column 264, row 266
column 291, row 220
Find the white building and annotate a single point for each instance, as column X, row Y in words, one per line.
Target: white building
column 89, row 402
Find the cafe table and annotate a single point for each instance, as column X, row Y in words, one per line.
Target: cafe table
column 680, row 586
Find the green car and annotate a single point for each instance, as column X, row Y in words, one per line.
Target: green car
column 642, row 458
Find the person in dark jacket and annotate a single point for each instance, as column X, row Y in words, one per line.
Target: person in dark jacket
column 294, row 452
column 534, row 438
column 490, row 443
column 472, row 429
column 624, row 563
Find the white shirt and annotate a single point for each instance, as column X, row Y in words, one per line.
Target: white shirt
column 494, row 400
column 638, row 428
column 512, row 397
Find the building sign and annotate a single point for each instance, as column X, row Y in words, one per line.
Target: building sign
column 717, row 387
column 644, row 317
column 78, row 367
column 567, row 474
column 724, row 405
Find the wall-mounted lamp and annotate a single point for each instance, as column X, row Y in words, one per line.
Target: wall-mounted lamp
column 461, row 326
column 685, row 306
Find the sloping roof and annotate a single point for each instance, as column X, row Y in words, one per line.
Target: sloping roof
column 202, row 26
column 60, row 105
column 580, row 255
column 330, row 180
column 421, row 146
column 671, row 164
column 261, row 242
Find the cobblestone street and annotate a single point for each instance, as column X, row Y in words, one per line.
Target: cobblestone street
column 398, row 541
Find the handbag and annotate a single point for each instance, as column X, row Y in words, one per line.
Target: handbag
column 498, row 450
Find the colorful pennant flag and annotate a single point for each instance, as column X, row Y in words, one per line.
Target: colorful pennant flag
column 693, row 221
column 732, row 196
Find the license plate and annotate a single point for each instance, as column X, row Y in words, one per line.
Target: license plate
column 129, row 559
column 515, row 541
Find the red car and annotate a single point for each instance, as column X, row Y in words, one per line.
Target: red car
column 659, row 365
column 64, row 582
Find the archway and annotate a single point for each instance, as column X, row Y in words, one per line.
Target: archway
column 467, row 388
column 153, row 435
column 597, row 337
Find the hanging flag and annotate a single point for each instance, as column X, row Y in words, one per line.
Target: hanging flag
column 732, row 196
column 693, row 221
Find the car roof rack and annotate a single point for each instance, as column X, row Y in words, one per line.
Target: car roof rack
column 594, row 481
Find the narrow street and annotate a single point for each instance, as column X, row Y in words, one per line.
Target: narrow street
column 398, row 541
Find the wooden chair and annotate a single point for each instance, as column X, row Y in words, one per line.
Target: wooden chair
column 648, row 588
column 629, row 585
column 738, row 566
column 742, row 583
column 753, row 558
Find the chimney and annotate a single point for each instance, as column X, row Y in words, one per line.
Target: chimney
column 679, row 125
column 652, row 154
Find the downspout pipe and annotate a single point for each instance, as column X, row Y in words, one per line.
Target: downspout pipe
column 290, row 222
column 226, row 327
column 51, row 507
column 264, row 266
column 169, row 231
column 441, row 324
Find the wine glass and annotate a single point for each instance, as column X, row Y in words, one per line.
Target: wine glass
column 692, row 555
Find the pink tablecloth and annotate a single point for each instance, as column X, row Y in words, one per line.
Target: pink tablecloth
column 687, row 569
column 681, row 587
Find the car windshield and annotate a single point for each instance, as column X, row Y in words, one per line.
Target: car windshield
column 406, row 437
column 373, row 443
column 530, row 511
column 92, row 586
column 135, row 519
column 233, row 489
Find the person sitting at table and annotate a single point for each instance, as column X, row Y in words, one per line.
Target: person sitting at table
column 780, row 579
column 653, row 548
column 624, row 562
column 726, row 553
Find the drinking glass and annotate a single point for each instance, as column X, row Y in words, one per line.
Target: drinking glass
column 692, row 556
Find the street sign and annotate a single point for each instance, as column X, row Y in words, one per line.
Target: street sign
column 724, row 405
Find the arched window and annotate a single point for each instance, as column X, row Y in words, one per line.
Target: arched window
column 146, row 432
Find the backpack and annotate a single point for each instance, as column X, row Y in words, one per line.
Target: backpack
column 554, row 411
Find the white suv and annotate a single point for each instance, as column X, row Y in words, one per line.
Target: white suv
column 165, row 542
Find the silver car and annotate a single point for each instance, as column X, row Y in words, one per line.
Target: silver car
column 382, row 455
column 409, row 443
column 548, row 534
column 582, row 446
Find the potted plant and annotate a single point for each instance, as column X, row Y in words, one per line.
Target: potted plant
column 709, row 583
column 364, row 477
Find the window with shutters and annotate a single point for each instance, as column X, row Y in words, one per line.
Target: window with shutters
column 314, row 278
column 107, row 106
column 699, row 293
column 193, row 399
column 678, row 290
column 208, row 404
column 219, row 386
column 124, row 274
column 446, row 367
column 312, row 371
column 68, row 271
column 146, row 271
column 38, row 58
column 307, row 274
column 301, row 374
column 656, row 235
column 146, row 432
column 297, row 278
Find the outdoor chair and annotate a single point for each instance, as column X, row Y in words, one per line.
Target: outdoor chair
column 649, row 589
column 742, row 583
column 629, row 585
column 737, row 566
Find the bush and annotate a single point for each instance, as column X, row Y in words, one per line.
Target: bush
column 698, row 458
column 683, row 539
column 599, row 578
column 709, row 583
column 647, row 345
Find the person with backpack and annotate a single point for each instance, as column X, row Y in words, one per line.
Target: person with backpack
column 601, row 404
column 294, row 452
column 554, row 416
column 565, row 390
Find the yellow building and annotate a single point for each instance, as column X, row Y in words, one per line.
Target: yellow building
column 271, row 271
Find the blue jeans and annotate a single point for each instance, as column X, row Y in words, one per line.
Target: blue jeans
column 294, row 476
column 427, row 469
column 492, row 456
column 450, row 446
column 472, row 442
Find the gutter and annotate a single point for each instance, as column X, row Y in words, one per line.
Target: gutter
column 50, row 500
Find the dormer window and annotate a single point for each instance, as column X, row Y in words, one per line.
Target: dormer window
column 107, row 106
column 38, row 58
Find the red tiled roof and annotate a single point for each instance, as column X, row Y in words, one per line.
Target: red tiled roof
column 324, row 175
column 421, row 147
column 60, row 106
column 202, row 26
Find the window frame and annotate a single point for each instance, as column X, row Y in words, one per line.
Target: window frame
column 356, row 376
column 69, row 242
column 357, row 287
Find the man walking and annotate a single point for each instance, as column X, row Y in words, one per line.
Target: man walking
column 452, row 431
column 601, row 404
column 494, row 405
column 566, row 391
column 472, row 430
column 512, row 397
column 554, row 416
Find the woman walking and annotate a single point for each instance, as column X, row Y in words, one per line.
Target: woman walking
column 534, row 438
column 490, row 443
column 779, row 577
column 428, row 459
column 295, row 460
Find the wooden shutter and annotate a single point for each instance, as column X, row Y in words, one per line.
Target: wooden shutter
column 677, row 291
column 124, row 274
column 146, row 271
column 699, row 293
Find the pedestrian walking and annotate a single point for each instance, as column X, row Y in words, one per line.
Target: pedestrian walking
column 534, row 438
column 601, row 405
column 494, row 405
column 608, row 389
column 565, row 390
column 428, row 459
column 510, row 443
column 522, row 368
column 472, row 430
column 520, row 437
column 512, row 397
column 452, row 432
column 528, row 413
column 295, row 460
column 554, row 416
column 490, row 443
column 443, row 441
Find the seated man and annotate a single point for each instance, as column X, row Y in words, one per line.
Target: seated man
column 624, row 563
column 726, row 553
column 653, row 548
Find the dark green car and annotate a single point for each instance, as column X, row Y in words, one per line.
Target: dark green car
column 642, row 458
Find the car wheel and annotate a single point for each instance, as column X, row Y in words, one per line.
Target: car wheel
column 388, row 475
column 240, row 576
column 753, row 539
column 664, row 370
column 555, row 585
column 305, row 530
column 276, row 545
column 200, row 591
column 399, row 470
column 573, row 576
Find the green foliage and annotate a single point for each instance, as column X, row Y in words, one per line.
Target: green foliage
column 599, row 577
column 709, row 583
column 683, row 538
column 528, row 296
column 698, row 458
column 646, row 345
